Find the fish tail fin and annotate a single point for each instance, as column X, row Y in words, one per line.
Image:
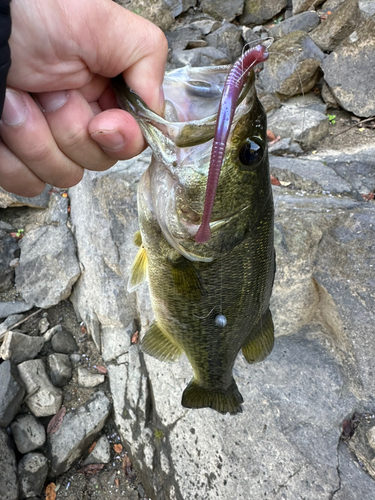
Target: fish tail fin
column 157, row 344
column 229, row 401
column 260, row 342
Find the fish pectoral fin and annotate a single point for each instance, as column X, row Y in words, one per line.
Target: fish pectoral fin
column 259, row 343
column 186, row 279
column 138, row 271
column 225, row 401
column 157, row 344
column 137, row 238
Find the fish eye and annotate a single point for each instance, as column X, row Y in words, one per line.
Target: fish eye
column 250, row 153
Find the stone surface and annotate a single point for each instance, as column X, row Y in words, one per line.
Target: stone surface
column 156, row 11
column 28, row 433
column 303, row 5
column 43, row 398
column 32, row 473
column 10, row 308
column 202, row 56
column 51, row 332
column 206, row 25
column 60, row 369
column 294, row 68
column 367, row 8
column 9, row 323
column 63, row 341
column 181, row 36
column 13, row 200
column 305, row 126
column 362, row 444
column 285, row 146
column 43, row 325
column 319, row 372
column 19, row 347
column 350, row 70
column 11, row 394
column 8, row 467
column 179, row 6
column 228, row 39
column 57, row 212
column 338, row 26
column 39, row 282
column 88, row 379
column 77, row 432
column 101, row 454
column 222, row 10
column 8, row 252
column 258, row 11
column 306, row 21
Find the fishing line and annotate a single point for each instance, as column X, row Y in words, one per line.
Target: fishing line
column 204, row 317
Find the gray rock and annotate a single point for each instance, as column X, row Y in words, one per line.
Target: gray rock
column 28, row 433
column 228, row 39
column 9, row 323
column 285, row 146
column 8, row 466
column 366, row 8
column 180, row 36
column 48, row 265
column 19, row 347
column 8, row 252
column 13, row 200
column 338, row 26
column 303, row 125
column 294, row 68
column 64, row 342
column 101, row 454
column 76, row 432
column 75, row 359
column 156, row 11
column 257, row 12
column 202, row 56
column 350, row 71
column 308, row 101
column 51, row 332
column 320, row 370
column 10, row 308
column 328, row 97
column 5, row 226
column 303, row 5
column 309, row 175
column 362, row 444
column 206, row 25
column 269, row 101
column 306, row 21
column 88, row 379
column 222, row 10
column 57, row 212
column 11, row 394
column 43, row 325
column 179, row 6
column 43, row 398
column 355, row 483
column 32, row 473
column 60, row 369
column 332, row 5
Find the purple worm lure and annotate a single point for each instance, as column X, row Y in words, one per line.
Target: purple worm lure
column 232, row 88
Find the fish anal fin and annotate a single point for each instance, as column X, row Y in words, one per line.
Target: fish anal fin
column 138, row 271
column 260, row 342
column 157, row 344
column 186, row 279
column 223, row 401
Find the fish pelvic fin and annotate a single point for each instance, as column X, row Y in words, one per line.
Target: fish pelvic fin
column 228, row 401
column 186, row 279
column 157, row 344
column 260, row 342
column 137, row 238
column 138, row 271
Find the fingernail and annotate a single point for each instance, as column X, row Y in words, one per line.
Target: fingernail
column 109, row 140
column 52, row 101
column 15, row 109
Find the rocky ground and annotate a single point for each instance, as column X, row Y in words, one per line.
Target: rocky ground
column 83, row 414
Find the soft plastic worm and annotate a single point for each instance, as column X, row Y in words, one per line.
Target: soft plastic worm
column 228, row 102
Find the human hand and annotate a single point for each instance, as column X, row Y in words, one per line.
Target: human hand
column 64, row 52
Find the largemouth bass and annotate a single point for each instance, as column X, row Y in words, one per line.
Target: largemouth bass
column 210, row 293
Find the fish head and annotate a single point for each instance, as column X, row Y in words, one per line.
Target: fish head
column 181, row 141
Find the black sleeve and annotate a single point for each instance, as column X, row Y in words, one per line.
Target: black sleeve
column 5, row 29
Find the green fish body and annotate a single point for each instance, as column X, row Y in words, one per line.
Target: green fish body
column 211, row 300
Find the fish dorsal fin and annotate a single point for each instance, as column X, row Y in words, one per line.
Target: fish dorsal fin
column 259, row 343
column 157, row 344
column 138, row 271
